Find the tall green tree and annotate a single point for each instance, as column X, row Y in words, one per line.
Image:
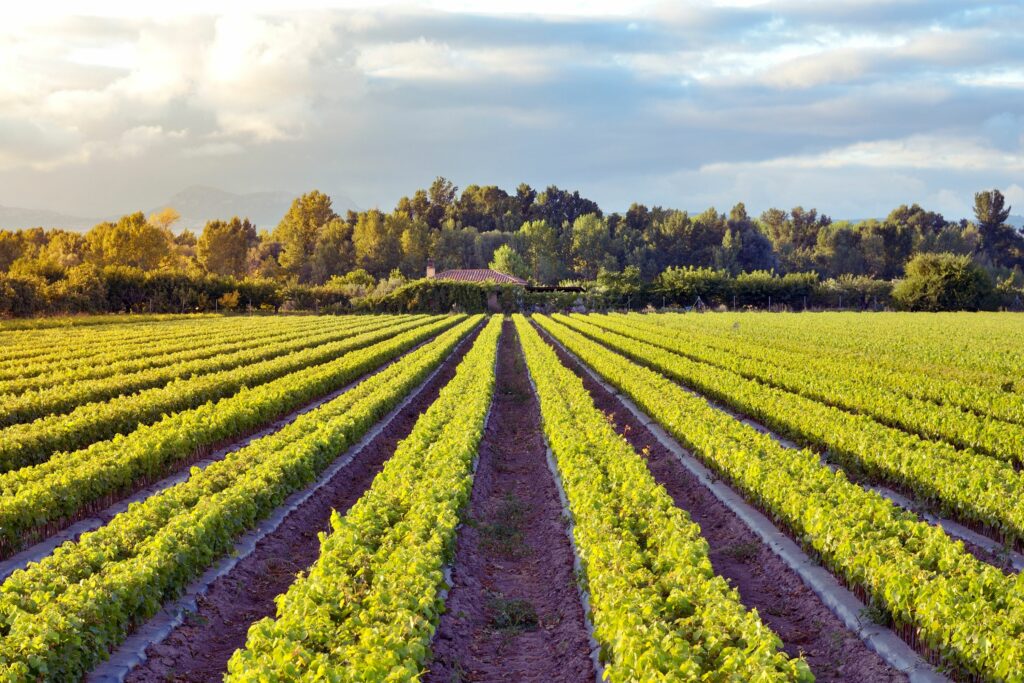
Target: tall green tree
column 1001, row 244
column 507, row 260
column 132, row 241
column 334, row 252
column 377, row 241
column 298, row 232
column 223, row 247
column 415, row 245
column 591, row 246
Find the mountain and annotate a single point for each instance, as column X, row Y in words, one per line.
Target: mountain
column 14, row 218
column 199, row 204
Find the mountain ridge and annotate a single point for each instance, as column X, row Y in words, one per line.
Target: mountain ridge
column 197, row 204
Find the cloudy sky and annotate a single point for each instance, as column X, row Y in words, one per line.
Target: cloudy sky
column 853, row 106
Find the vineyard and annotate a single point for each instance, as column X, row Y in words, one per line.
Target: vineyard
column 566, row 497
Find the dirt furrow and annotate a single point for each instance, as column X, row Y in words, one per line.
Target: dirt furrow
column 513, row 613
column 199, row 649
column 764, row 581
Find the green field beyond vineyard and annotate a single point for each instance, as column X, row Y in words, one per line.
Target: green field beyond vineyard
column 621, row 497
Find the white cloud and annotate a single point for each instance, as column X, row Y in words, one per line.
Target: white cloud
column 1015, row 198
column 423, row 59
column 733, row 95
column 923, row 152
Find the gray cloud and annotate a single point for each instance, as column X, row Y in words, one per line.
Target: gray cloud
column 678, row 105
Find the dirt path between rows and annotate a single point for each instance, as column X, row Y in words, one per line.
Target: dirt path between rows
column 513, row 613
column 199, row 649
column 764, row 581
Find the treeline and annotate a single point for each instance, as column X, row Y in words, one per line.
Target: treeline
column 315, row 257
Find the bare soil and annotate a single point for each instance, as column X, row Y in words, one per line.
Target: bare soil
column 513, row 613
column 765, row 583
column 199, row 649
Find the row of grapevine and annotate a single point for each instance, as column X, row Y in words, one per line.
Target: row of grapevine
column 824, row 362
column 369, row 606
column 963, row 484
column 960, row 610
column 67, row 346
column 659, row 610
column 116, row 359
column 24, row 444
column 61, row 616
column 59, row 398
column 980, row 348
column 76, row 322
column 33, row 498
column 830, row 381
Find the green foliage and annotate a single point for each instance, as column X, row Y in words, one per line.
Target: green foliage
column 299, row 231
column 507, row 260
column 131, row 242
column 591, row 246
column 209, row 409
column 944, row 282
column 368, row 607
column 659, row 610
column 444, row 296
column 967, row 613
column 61, row 616
column 854, row 291
column 223, row 248
column 545, row 237
column 941, row 452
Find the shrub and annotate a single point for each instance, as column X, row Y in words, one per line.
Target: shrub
column 944, row 282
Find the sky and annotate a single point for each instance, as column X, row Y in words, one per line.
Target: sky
column 852, row 106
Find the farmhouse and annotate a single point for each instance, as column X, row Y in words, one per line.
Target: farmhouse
column 477, row 275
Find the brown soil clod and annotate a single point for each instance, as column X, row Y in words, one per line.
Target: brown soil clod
column 199, row 649
column 513, row 612
column 765, row 583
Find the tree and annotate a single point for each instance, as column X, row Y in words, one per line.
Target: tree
column 454, row 247
column 132, row 242
column 794, row 235
column 66, row 249
column 441, row 202
column 839, row 250
column 164, row 218
column 377, row 241
column 944, row 282
column 263, row 258
column 591, row 244
column 1001, row 244
column 415, row 245
column 334, row 253
column 223, row 248
column 507, row 260
column 560, row 207
column 487, row 207
column 990, row 210
column 727, row 254
column 10, row 248
column 525, row 196
column 755, row 249
column 298, row 231
column 540, row 244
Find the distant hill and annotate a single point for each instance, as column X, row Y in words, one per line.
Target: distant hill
column 15, row 218
column 197, row 205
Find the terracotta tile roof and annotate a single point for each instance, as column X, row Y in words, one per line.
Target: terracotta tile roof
column 479, row 275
